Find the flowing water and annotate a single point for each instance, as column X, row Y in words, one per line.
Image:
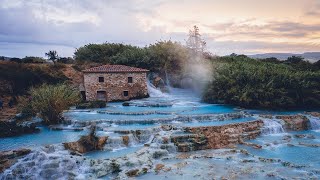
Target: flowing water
column 314, row 122
column 180, row 108
column 272, row 127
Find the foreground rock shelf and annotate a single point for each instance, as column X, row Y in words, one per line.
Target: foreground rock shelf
column 170, row 150
column 216, row 137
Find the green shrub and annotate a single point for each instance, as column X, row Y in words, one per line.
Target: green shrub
column 91, row 104
column 255, row 84
column 50, row 101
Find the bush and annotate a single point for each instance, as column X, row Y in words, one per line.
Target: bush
column 50, row 101
column 91, row 104
column 255, row 84
column 25, row 109
column 32, row 59
column 23, row 76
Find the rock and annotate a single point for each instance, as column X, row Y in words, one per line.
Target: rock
column 60, row 128
column 268, row 116
column 316, row 114
column 245, row 152
column 215, row 137
column 8, row 158
column 12, row 128
column 158, row 167
column 310, row 136
column 309, row 145
column 132, row 173
column 125, row 140
column 165, row 140
column 87, row 144
column 126, row 104
column 287, row 138
column 159, row 153
column 183, row 156
column 256, row 146
column 295, row 122
column 166, row 127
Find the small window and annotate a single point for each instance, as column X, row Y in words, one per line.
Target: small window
column 101, row 79
column 129, row 79
column 125, row 93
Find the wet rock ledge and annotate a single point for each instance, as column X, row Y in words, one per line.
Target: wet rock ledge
column 215, row 137
column 13, row 128
column 87, row 143
column 8, row 158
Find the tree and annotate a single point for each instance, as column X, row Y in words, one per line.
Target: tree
column 52, row 56
column 50, row 101
column 195, row 42
column 294, row 59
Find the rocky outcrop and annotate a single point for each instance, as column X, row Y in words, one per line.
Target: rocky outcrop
column 8, row 158
column 87, row 144
column 295, row 122
column 315, row 114
column 215, row 137
column 12, row 128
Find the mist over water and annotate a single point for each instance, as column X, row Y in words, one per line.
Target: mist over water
column 197, row 72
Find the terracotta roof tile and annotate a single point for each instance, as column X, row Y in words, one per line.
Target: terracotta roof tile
column 114, row 69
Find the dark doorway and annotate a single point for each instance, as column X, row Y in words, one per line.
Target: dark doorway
column 83, row 95
column 101, row 95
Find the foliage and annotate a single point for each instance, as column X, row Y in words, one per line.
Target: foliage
column 22, row 76
column 65, row 60
column 28, row 59
column 52, row 56
column 159, row 57
column 256, row 84
column 91, row 104
column 25, row 109
column 50, row 101
column 32, row 59
column 195, row 42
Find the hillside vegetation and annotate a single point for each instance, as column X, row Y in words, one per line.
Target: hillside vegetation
column 265, row 84
column 18, row 78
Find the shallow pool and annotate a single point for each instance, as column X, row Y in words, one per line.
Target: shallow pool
column 44, row 137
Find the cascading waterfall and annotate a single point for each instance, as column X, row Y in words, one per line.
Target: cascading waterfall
column 271, row 126
column 314, row 122
column 154, row 92
column 52, row 162
column 167, row 81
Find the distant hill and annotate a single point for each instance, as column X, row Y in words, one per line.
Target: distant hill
column 310, row 56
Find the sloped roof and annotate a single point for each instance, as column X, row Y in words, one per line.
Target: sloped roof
column 114, row 69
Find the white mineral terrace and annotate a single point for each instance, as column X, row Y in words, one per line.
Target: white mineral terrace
column 171, row 136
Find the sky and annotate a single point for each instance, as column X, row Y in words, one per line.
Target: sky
column 33, row 27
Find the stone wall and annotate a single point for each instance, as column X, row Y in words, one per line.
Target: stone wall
column 215, row 137
column 114, row 84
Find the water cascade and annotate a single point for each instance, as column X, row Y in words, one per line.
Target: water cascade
column 314, row 122
column 154, row 92
column 271, row 126
column 168, row 82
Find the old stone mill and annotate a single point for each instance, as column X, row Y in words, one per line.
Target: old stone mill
column 170, row 135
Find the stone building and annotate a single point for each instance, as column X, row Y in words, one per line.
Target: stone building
column 114, row 83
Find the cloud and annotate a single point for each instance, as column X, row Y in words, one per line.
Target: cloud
column 35, row 26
